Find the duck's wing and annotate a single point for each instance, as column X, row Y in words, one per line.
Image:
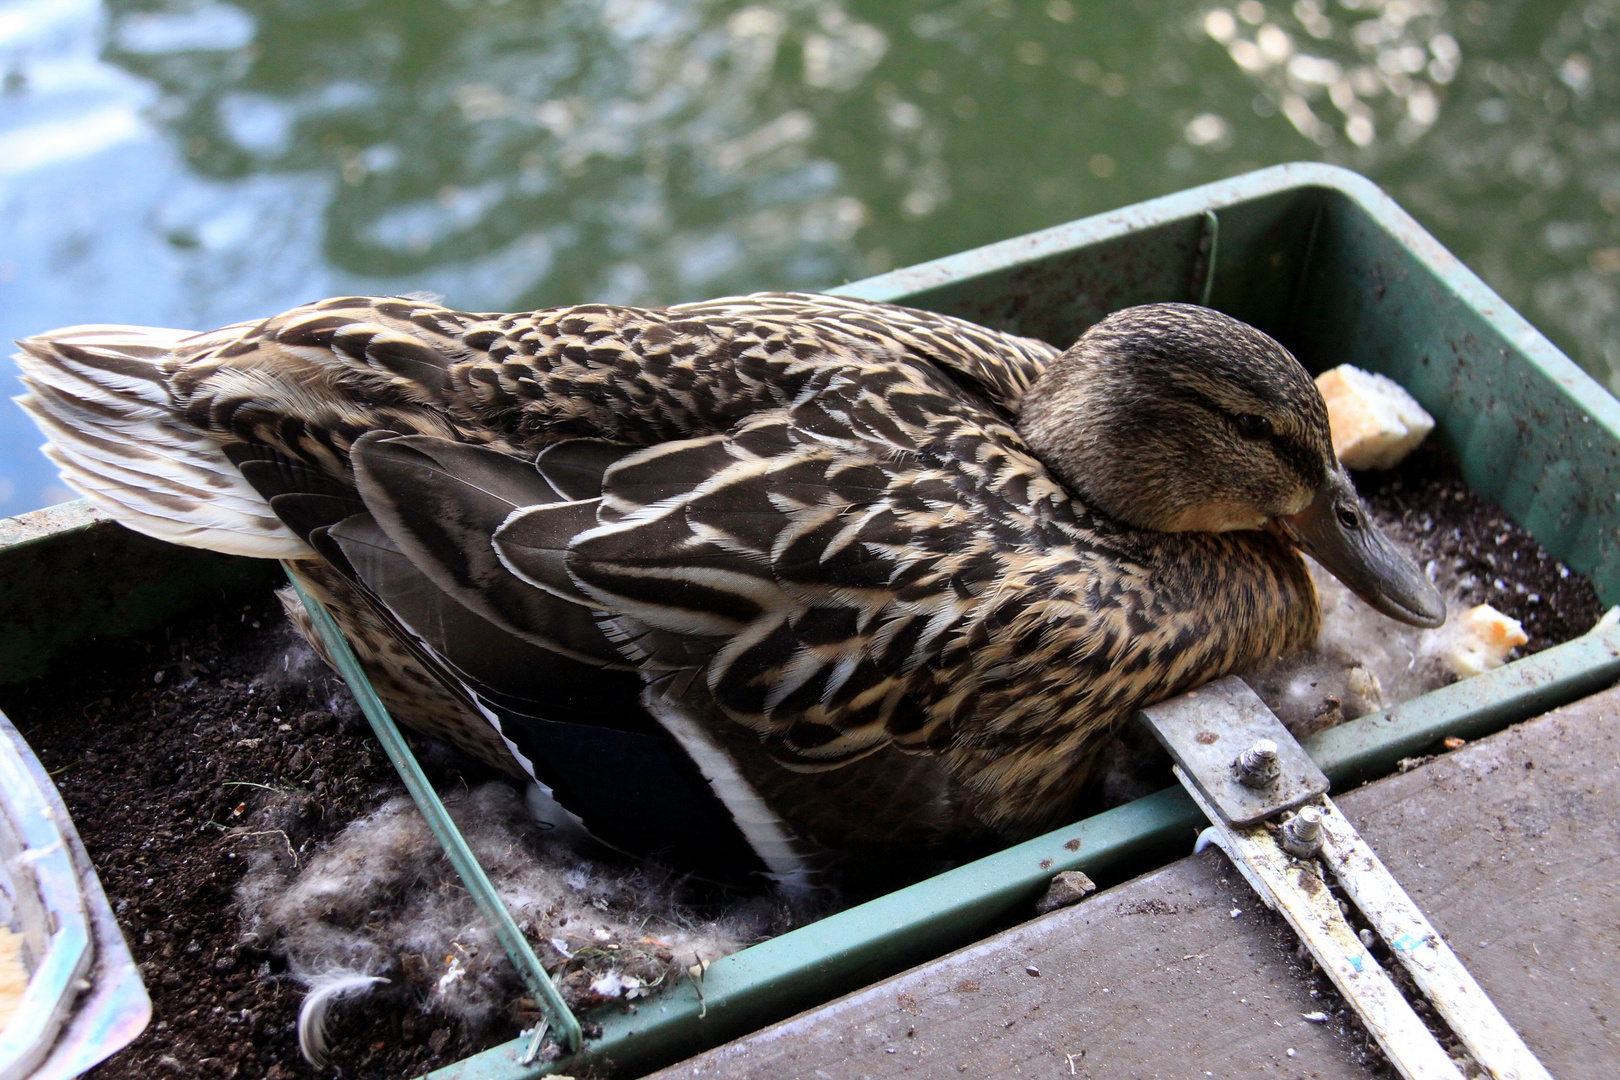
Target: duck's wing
column 535, row 671
column 836, row 573
column 802, row 595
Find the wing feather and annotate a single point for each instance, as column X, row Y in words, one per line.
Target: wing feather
column 441, row 502
column 502, row 668
column 533, row 544
column 575, row 467
column 828, row 568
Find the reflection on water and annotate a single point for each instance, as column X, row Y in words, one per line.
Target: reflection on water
column 192, row 163
column 631, row 152
column 1393, row 51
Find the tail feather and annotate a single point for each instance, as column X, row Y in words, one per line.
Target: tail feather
column 101, row 395
column 107, row 361
column 118, row 454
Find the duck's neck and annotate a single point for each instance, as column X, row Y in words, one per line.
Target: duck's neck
column 1199, row 606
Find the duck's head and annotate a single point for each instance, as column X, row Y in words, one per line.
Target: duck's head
column 1174, row 417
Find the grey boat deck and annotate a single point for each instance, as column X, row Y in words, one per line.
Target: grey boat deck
column 1511, row 845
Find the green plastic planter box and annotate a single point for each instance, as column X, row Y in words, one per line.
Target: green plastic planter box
column 1314, row 255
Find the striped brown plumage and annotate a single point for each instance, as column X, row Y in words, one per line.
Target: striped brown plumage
column 807, row 525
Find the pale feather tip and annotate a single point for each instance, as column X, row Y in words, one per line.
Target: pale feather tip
column 324, row 992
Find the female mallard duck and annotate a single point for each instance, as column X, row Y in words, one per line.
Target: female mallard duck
column 777, row 583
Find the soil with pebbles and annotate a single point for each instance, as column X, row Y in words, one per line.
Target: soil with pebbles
column 178, row 752
column 1478, row 550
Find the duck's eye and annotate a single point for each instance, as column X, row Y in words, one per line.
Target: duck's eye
column 1252, row 426
column 1349, row 518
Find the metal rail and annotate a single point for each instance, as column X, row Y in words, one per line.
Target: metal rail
column 1296, row 889
column 1465, row 1007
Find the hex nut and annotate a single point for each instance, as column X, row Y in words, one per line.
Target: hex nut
column 1301, row 834
column 1256, row 767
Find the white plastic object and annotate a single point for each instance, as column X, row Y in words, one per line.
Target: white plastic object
column 84, row 999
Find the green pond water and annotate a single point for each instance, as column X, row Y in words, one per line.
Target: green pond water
column 193, row 164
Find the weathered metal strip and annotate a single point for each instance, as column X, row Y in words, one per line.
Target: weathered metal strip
column 1204, row 731
column 1466, row 1008
column 1209, row 731
column 1295, row 889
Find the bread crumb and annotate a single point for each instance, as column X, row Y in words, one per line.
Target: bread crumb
column 1481, row 639
column 1374, row 421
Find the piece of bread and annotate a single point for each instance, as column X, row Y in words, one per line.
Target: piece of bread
column 1480, row 639
column 1375, row 422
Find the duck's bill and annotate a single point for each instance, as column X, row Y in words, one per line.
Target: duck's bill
column 1338, row 532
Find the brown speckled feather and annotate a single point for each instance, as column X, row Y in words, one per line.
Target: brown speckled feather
column 808, row 519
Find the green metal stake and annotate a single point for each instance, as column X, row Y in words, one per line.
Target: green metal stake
column 557, row 1014
column 1212, row 236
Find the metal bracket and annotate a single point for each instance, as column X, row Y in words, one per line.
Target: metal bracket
column 1285, row 862
column 1209, row 730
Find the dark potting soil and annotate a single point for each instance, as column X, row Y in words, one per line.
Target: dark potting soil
column 1478, row 549
column 178, row 752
